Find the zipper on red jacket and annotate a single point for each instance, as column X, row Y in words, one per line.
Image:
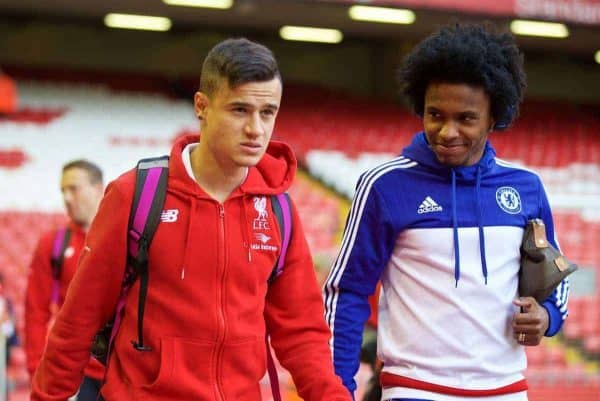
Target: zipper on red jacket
column 221, row 304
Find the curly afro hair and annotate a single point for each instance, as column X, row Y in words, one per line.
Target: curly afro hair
column 470, row 54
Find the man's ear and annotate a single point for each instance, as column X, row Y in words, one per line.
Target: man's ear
column 200, row 104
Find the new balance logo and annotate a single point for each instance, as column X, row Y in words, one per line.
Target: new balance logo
column 428, row 206
column 169, row 215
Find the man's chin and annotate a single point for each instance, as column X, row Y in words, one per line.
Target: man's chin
column 447, row 162
column 249, row 161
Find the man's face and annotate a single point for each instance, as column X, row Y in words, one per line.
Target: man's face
column 237, row 123
column 80, row 195
column 457, row 121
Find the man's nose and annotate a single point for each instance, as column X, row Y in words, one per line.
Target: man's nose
column 449, row 130
column 67, row 197
column 254, row 125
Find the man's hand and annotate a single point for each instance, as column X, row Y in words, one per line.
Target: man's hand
column 531, row 322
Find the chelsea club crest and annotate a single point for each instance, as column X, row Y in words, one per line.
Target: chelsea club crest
column 508, row 199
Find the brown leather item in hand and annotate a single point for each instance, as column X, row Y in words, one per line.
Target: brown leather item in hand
column 543, row 267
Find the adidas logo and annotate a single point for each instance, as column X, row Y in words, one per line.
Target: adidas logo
column 429, row 205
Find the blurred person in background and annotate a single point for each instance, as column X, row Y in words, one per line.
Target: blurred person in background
column 82, row 187
column 8, row 95
column 7, row 321
column 8, row 333
column 441, row 226
column 210, row 299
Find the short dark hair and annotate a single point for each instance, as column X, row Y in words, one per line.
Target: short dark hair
column 471, row 54
column 94, row 172
column 239, row 61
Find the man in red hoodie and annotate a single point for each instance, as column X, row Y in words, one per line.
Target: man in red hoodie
column 208, row 304
column 81, row 186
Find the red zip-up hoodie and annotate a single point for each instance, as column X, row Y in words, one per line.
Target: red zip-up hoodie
column 208, row 304
column 38, row 314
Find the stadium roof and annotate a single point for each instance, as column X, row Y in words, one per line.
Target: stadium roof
column 270, row 15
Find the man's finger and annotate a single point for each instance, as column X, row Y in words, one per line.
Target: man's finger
column 527, row 339
column 526, row 303
column 528, row 329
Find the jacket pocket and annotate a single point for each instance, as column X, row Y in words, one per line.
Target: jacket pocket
column 243, row 363
column 185, row 371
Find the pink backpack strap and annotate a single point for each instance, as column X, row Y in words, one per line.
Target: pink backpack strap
column 273, row 376
column 149, row 196
column 61, row 241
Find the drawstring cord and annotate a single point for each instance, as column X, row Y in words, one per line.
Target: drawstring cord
column 187, row 240
column 479, row 224
column 245, row 229
column 455, row 232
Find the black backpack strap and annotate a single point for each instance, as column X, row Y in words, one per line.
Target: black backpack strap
column 146, row 209
column 61, row 242
column 281, row 206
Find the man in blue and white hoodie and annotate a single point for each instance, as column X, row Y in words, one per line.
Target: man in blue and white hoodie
column 441, row 226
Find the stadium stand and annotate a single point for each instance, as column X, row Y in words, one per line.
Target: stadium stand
column 336, row 136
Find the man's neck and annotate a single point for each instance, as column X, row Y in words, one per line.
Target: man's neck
column 217, row 180
column 79, row 225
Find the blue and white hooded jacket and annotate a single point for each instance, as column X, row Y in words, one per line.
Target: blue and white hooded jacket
column 445, row 244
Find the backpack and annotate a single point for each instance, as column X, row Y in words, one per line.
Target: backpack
column 149, row 197
column 60, row 244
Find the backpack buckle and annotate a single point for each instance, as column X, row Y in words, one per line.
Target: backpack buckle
column 140, row 347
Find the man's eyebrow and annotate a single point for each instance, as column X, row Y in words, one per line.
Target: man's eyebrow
column 239, row 103
column 273, row 106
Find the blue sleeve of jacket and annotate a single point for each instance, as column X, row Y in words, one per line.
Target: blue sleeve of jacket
column 366, row 247
column 556, row 303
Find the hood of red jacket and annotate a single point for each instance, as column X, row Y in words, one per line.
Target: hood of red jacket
column 272, row 175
